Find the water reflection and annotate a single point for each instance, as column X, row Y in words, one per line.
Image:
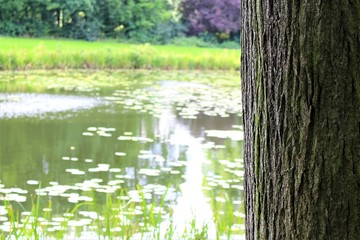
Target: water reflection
column 30, row 105
column 137, row 138
column 193, row 205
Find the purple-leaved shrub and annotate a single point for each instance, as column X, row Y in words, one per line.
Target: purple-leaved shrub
column 218, row 17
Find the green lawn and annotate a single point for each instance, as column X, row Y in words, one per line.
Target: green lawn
column 26, row 53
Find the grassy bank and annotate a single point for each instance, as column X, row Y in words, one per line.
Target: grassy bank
column 26, row 54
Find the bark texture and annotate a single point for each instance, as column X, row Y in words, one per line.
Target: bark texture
column 301, row 87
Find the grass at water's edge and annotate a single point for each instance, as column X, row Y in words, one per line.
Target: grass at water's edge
column 118, row 218
column 26, row 54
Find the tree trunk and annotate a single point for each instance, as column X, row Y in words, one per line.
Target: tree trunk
column 301, row 87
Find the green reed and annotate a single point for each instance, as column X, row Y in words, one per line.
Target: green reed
column 146, row 56
column 117, row 218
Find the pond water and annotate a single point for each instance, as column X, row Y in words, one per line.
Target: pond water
column 165, row 148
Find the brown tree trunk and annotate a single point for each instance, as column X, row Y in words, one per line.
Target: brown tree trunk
column 301, row 87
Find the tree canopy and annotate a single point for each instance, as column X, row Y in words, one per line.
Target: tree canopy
column 142, row 20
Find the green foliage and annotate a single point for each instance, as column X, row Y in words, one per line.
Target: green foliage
column 142, row 17
column 165, row 32
column 190, row 41
column 24, row 18
column 200, row 42
column 11, row 29
column 85, row 19
column 80, row 20
column 230, row 45
column 136, row 21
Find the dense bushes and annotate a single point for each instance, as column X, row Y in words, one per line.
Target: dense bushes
column 155, row 21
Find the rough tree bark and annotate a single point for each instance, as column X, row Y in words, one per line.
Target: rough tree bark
column 301, row 87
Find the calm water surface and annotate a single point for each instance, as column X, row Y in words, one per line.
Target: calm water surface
column 172, row 140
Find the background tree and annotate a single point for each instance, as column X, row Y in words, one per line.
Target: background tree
column 301, row 83
column 81, row 20
column 24, row 17
column 111, row 11
column 11, row 15
column 141, row 18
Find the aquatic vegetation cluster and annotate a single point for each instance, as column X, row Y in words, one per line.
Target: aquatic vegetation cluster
column 188, row 99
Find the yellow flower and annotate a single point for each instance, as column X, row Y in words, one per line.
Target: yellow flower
column 223, row 35
column 81, row 14
column 119, row 28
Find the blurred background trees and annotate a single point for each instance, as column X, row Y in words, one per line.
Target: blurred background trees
column 190, row 22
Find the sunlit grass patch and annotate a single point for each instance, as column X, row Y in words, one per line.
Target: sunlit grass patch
column 25, row 54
